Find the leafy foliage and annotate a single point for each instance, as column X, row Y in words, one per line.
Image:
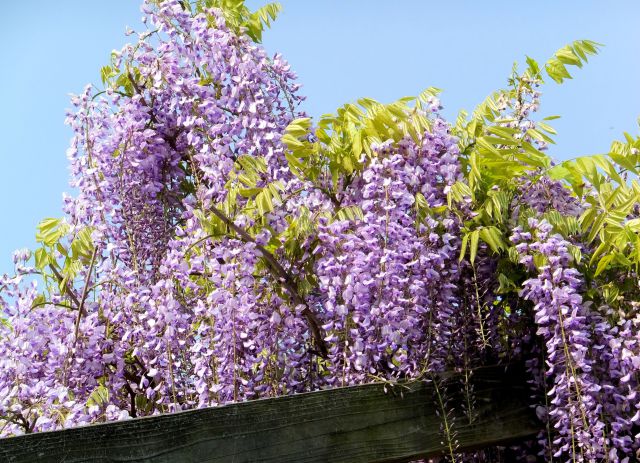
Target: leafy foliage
column 223, row 246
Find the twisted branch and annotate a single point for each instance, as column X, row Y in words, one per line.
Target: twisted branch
column 286, row 279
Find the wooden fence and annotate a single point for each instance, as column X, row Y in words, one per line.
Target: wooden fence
column 370, row 423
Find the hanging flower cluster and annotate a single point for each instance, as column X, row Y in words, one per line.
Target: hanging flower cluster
column 562, row 323
column 222, row 248
column 388, row 282
column 584, row 391
column 168, row 326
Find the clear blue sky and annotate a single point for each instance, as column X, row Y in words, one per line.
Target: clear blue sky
column 341, row 50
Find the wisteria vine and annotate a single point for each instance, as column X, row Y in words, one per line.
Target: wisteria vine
column 223, row 247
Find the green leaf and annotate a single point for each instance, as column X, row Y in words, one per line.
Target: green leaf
column 536, row 134
column 42, row 258
column 567, row 56
column 249, row 192
column 350, row 213
column 82, row 244
column 47, row 225
column 506, row 285
column 504, row 132
column 264, row 202
column 558, row 172
column 292, row 142
column 473, row 245
column 482, row 142
column 99, row 396
column 38, row 301
column 574, row 54
column 493, row 237
column 463, row 247
column 603, row 264
column 299, row 127
column 105, row 74
column 546, row 127
column 534, row 68
column 49, row 231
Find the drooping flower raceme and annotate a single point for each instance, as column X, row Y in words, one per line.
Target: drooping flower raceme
column 177, row 325
column 197, row 266
column 583, row 362
column 387, row 282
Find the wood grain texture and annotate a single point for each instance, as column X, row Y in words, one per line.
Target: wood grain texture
column 352, row 424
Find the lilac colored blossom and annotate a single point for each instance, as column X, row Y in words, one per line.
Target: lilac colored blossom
column 590, row 384
column 177, row 310
column 387, row 285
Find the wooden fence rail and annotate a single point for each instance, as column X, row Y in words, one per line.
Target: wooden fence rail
column 351, row 424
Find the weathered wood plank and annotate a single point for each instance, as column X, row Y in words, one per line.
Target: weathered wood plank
column 353, row 424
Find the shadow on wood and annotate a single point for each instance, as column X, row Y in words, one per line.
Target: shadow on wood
column 352, row 424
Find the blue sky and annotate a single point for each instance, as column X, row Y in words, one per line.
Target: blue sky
column 342, row 50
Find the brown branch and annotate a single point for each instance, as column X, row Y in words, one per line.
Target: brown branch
column 285, row 278
column 334, row 199
column 135, row 378
column 85, row 291
column 136, row 87
column 67, row 287
column 19, row 420
column 132, row 395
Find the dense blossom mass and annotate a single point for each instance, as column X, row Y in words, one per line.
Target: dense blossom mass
column 201, row 262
